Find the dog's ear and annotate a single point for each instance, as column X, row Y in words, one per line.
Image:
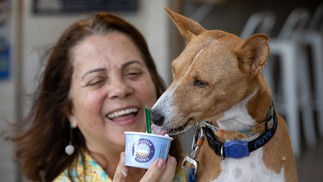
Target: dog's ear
column 187, row 27
column 253, row 54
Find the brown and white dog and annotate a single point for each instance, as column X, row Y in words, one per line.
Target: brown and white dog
column 218, row 78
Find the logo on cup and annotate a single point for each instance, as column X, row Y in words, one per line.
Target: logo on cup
column 143, row 150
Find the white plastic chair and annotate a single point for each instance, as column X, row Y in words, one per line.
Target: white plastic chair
column 314, row 38
column 259, row 22
column 294, row 93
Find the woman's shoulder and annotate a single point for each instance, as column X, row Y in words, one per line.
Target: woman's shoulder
column 84, row 170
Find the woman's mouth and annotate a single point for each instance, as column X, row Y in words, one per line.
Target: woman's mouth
column 123, row 112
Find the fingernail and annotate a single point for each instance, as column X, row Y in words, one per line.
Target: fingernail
column 124, row 172
column 173, row 160
column 161, row 163
column 122, row 156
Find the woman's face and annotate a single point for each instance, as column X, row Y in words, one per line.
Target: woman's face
column 111, row 86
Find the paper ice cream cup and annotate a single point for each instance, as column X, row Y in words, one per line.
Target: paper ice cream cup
column 142, row 149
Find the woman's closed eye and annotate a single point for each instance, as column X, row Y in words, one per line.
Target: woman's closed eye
column 97, row 81
column 132, row 74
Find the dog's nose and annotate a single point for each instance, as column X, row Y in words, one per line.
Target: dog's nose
column 157, row 118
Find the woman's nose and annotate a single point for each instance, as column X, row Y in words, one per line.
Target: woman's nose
column 119, row 89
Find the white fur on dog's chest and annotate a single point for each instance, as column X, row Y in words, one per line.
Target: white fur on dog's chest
column 248, row 169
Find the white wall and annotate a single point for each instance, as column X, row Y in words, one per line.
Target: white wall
column 7, row 113
column 7, row 108
column 40, row 32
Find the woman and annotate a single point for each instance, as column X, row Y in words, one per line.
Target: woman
column 98, row 79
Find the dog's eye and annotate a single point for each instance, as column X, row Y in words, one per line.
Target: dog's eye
column 201, row 84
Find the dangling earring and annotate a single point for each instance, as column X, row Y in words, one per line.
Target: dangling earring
column 69, row 149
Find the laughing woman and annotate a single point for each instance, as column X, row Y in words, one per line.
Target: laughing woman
column 98, row 78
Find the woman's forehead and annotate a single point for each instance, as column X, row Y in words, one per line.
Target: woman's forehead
column 110, row 51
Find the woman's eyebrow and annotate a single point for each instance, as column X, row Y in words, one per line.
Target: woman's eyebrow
column 130, row 63
column 94, row 71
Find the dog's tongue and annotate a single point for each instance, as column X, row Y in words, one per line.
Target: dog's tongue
column 157, row 130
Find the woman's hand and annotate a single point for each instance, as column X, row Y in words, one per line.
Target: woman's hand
column 122, row 171
column 160, row 170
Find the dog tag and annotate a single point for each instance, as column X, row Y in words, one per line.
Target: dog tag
column 236, row 149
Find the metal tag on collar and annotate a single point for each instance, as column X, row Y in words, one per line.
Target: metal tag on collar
column 189, row 163
column 236, row 149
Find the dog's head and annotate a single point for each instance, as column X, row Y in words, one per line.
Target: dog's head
column 215, row 70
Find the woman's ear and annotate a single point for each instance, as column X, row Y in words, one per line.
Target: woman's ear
column 69, row 115
column 72, row 120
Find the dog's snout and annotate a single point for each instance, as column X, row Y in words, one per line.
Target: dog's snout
column 157, row 117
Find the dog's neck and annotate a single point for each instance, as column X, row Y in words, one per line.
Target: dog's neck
column 237, row 117
column 249, row 112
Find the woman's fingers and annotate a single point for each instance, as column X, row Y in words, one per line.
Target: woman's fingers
column 161, row 170
column 122, row 171
column 170, row 169
column 155, row 171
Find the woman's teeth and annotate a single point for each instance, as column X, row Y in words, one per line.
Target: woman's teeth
column 122, row 113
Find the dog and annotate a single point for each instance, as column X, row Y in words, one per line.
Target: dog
column 218, row 85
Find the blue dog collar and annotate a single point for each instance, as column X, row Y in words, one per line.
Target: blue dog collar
column 240, row 148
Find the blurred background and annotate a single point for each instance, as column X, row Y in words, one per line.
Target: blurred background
column 294, row 68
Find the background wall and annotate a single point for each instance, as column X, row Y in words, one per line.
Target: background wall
column 40, row 32
column 7, row 99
